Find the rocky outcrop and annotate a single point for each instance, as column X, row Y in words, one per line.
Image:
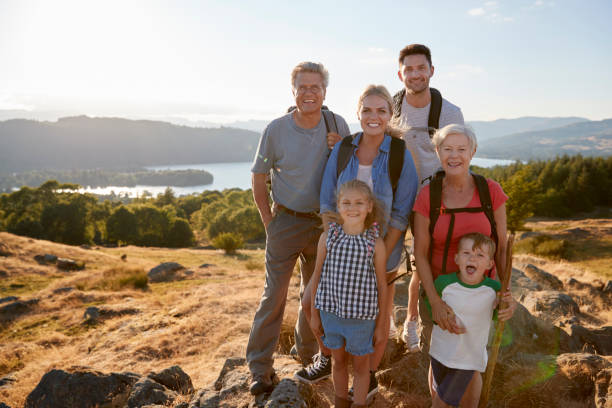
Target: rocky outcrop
column 175, row 379
column 592, row 340
column 66, row 264
column 81, row 387
column 166, row 272
column 95, row 314
column 146, row 391
column 550, row 305
column 542, row 277
column 45, row 259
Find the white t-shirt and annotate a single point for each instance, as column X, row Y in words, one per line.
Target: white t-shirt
column 364, row 173
column 417, row 136
column 473, row 305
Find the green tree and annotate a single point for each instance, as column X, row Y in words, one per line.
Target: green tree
column 521, row 199
column 122, row 227
column 180, row 234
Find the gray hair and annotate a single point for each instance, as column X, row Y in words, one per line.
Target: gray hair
column 308, row 66
column 455, row 129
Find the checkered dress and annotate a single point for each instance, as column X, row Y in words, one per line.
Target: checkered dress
column 347, row 287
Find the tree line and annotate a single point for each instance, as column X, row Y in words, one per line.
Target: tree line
column 104, row 178
column 561, row 187
column 555, row 188
column 56, row 212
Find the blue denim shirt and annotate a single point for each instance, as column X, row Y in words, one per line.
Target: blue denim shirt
column 397, row 212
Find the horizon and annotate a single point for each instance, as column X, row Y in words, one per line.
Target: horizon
column 202, row 61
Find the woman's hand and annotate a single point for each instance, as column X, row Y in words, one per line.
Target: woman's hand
column 507, row 312
column 445, row 317
column 315, row 323
column 332, row 139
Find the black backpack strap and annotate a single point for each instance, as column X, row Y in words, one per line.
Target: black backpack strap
column 397, row 150
column 398, row 99
column 435, row 205
column 344, row 154
column 330, row 120
column 485, row 201
column 435, row 107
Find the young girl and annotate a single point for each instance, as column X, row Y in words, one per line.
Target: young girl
column 350, row 290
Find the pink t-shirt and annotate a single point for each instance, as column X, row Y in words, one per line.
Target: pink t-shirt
column 464, row 223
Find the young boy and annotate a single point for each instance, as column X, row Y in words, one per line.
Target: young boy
column 458, row 359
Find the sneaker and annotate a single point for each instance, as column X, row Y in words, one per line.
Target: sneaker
column 410, row 335
column 319, row 370
column 261, row 384
column 372, row 389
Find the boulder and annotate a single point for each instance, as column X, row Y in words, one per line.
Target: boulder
column 65, row 289
column 17, row 308
column 81, row 387
column 66, row 264
column 522, row 284
column 175, row 379
column 597, row 340
column 165, row 272
column 146, row 391
column 286, row 395
column 550, row 305
column 45, row 259
column 544, row 278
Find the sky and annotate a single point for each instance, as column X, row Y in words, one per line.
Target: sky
column 222, row 61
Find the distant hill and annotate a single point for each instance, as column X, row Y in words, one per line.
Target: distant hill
column 83, row 143
column 502, row 127
column 593, row 138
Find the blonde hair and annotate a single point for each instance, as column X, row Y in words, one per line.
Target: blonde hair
column 377, row 213
column 394, row 129
column 379, row 90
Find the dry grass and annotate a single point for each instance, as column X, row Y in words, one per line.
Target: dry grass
column 195, row 323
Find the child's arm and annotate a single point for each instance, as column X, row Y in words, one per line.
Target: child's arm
column 315, row 318
column 380, row 261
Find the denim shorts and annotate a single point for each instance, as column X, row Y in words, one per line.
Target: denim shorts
column 355, row 335
column 450, row 383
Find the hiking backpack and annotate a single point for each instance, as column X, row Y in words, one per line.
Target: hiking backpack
column 395, row 162
column 435, row 107
column 435, row 210
column 328, row 116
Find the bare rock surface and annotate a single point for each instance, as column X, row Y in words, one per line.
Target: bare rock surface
column 547, row 280
column 166, row 272
column 146, row 391
column 551, row 305
column 174, row 378
column 17, row 308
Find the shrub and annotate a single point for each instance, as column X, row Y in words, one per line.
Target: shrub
column 252, row 265
column 543, row 245
column 228, row 241
column 117, row 278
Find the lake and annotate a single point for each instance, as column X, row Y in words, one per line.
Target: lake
column 226, row 175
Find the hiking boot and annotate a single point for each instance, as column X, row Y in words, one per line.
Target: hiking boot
column 319, row 370
column 372, row 389
column 261, row 384
column 410, row 335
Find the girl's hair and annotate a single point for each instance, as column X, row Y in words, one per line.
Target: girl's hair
column 377, row 213
column 379, row 90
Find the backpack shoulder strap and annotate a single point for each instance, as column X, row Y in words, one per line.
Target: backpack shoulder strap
column 330, row 120
column 433, row 123
column 396, row 161
column 435, row 201
column 485, row 201
column 344, row 154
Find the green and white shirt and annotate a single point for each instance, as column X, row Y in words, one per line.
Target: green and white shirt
column 473, row 306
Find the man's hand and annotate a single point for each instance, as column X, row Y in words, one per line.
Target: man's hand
column 332, row 139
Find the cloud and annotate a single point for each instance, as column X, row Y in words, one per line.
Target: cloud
column 378, row 56
column 540, row 4
column 490, row 12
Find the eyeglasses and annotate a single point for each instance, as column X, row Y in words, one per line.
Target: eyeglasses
column 315, row 89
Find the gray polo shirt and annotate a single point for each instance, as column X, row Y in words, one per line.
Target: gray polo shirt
column 417, row 136
column 297, row 158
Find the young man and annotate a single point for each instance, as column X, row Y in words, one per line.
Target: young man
column 294, row 149
column 411, row 109
column 458, row 359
